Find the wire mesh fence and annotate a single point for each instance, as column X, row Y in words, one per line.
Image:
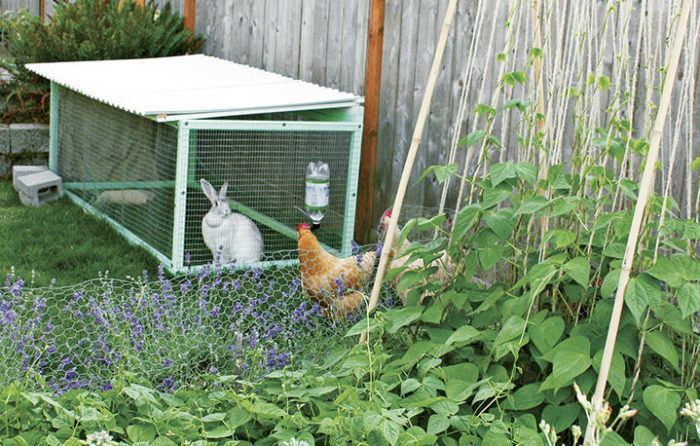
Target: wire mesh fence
column 119, row 163
column 264, row 171
column 186, row 331
column 144, row 176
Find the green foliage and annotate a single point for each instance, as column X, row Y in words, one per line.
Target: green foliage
column 481, row 362
column 535, row 320
column 85, row 30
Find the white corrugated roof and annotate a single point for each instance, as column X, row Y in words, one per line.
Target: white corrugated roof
column 189, row 85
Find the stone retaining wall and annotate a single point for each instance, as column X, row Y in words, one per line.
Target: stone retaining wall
column 22, row 144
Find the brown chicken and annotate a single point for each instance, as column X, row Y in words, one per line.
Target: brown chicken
column 330, row 281
column 444, row 264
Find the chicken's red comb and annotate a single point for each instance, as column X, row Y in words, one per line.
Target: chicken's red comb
column 303, row 226
column 387, row 214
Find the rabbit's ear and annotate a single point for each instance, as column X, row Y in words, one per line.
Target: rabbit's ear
column 208, row 190
column 222, row 192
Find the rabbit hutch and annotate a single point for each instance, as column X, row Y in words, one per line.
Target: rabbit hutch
column 131, row 140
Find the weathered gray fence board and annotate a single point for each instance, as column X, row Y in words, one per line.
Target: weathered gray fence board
column 425, row 48
column 334, row 42
column 405, row 108
column 255, row 44
column 306, row 39
column 437, row 126
column 318, row 44
column 387, row 102
column 11, row 5
column 348, row 26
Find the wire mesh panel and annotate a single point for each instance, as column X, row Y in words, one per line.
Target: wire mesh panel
column 120, row 164
column 174, row 332
column 264, row 165
column 144, row 175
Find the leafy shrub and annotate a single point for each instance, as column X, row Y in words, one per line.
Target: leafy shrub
column 328, row 405
column 498, row 353
column 85, row 30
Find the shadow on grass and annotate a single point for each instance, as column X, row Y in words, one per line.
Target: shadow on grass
column 60, row 241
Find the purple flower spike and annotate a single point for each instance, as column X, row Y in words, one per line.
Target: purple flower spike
column 65, row 361
column 168, row 382
column 340, row 286
column 296, row 283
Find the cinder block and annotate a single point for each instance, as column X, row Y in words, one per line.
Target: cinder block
column 30, row 138
column 5, row 146
column 38, row 188
column 20, row 171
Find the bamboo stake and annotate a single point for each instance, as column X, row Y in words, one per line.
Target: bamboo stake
column 543, row 168
column 410, row 158
column 645, row 190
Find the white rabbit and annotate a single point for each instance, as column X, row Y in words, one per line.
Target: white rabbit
column 233, row 235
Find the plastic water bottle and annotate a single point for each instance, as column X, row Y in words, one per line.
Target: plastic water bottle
column 317, row 190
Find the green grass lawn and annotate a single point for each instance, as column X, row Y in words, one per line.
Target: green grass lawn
column 59, row 240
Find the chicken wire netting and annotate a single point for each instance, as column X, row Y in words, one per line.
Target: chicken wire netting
column 265, row 173
column 125, row 167
column 188, row 331
column 121, row 164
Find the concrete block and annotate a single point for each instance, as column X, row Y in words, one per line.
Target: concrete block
column 5, row 146
column 29, row 138
column 20, row 171
column 38, row 188
column 5, row 167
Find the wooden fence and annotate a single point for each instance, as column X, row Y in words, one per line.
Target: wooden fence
column 325, row 42
column 11, row 5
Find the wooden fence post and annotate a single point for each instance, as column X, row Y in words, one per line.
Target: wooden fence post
column 368, row 162
column 42, row 10
column 190, row 13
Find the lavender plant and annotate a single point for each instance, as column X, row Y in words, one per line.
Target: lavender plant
column 173, row 332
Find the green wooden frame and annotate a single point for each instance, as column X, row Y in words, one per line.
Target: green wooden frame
column 53, row 129
column 333, row 120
